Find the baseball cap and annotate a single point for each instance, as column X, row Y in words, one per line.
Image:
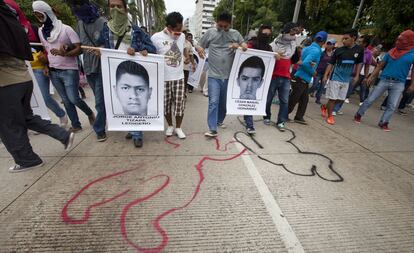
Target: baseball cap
column 332, row 41
column 321, row 36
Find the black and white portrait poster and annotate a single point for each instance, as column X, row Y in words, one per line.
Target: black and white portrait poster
column 37, row 102
column 249, row 82
column 194, row 76
column 133, row 91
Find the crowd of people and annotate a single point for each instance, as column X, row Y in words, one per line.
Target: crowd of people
column 314, row 67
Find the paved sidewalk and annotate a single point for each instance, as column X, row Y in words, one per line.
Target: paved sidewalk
column 199, row 195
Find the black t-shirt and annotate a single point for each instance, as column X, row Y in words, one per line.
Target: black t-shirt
column 344, row 60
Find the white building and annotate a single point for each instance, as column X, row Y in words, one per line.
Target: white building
column 204, row 16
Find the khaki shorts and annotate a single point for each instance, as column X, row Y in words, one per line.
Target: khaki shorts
column 336, row 90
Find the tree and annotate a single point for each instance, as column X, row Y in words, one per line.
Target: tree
column 62, row 11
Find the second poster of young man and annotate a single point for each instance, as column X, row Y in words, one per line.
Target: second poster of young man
column 249, row 82
column 133, row 90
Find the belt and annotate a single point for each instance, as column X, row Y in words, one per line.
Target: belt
column 392, row 79
column 300, row 80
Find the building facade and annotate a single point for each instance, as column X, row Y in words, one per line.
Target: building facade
column 203, row 17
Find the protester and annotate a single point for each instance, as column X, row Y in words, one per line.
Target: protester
column 284, row 46
column 89, row 26
column 120, row 34
column 317, row 86
column 339, row 73
column 395, row 67
column 38, row 64
column 222, row 43
column 171, row 43
column 300, row 82
column 16, row 87
column 189, row 63
column 63, row 46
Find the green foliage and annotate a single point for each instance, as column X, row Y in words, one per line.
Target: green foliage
column 389, row 18
column 63, row 11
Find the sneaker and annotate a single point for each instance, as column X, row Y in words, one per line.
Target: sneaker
column 402, row 112
column 323, row 111
column 179, row 132
column 340, row 113
column 64, row 121
column 384, row 126
column 69, row 142
column 17, row 168
column 346, row 101
column 101, row 137
column 211, row 134
column 281, row 127
column 169, row 131
column 190, row 91
column 267, row 121
column 75, row 129
column 318, row 102
column 138, row 143
column 221, row 125
column 92, row 119
column 330, row 120
column 128, row 136
column 205, row 94
column 251, row 130
column 360, row 103
column 333, row 113
column 410, row 105
column 301, row 121
column 357, row 118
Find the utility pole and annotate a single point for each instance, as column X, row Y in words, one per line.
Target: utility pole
column 358, row 13
column 232, row 14
column 297, row 10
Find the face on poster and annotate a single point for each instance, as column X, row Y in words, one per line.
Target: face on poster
column 249, row 82
column 133, row 90
column 194, row 77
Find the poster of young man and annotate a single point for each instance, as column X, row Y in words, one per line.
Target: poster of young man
column 194, row 77
column 133, row 91
column 36, row 102
column 249, row 82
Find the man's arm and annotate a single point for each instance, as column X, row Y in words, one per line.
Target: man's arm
column 309, row 62
column 328, row 72
column 375, row 74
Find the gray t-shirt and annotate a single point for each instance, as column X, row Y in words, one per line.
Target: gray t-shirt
column 91, row 62
column 220, row 56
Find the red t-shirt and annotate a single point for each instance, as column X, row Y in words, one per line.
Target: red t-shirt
column 282, row 68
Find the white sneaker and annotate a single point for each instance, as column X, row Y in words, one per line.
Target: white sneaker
column 340, row 113
column 179, row 132
column 221, row 125
column 64, row 121
column 347, row 101
column 169, row 131
column 334, row 113
column 17, row 168
column 361, row 103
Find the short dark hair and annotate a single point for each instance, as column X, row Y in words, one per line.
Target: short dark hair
column 253, row 62
column 366, row 40
column 124, row 2
column 173, row 19
column 265, row 26
column 188, row 34
column 224, row 16
column 352, row 32
column 133, row 68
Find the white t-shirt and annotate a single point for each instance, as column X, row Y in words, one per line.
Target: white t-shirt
column 174, row 52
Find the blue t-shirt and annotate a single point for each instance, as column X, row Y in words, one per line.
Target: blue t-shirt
column 344, row 59
column 398, row 68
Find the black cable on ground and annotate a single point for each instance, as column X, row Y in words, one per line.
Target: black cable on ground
column 314, row 168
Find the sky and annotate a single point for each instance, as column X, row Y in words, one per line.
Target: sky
column 185, row 7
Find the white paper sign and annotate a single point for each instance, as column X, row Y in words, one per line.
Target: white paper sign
column 249, row 82
column 194, row 77
column 133, row 91
column 36, row 102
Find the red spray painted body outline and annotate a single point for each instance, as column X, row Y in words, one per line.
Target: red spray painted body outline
column 157, row 220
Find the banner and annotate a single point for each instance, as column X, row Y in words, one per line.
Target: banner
column 133, row 91
column 194, row 77
column 249, row 82
column 37, row 102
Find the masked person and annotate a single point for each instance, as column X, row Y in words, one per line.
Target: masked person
column 284, row 46
column 120, row 34
column 262, row 42
column 63, row 46
column 89, row 26
column 395, row 67
column 16, row 87
column 222, row 43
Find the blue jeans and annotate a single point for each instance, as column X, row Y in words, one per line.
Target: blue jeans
column 248, row 119
column 394, row 89
column 217, row 96
column 137, row 135
column 317, row 86
column 282, row 86
column 43, row 82
column 95, row 81
column 66, row 83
